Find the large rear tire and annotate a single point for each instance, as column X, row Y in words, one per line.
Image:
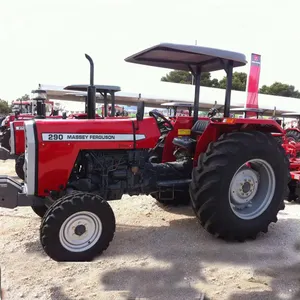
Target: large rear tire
column 77, row 227
column 235, row 201
column 279, row 139
column 19, row 166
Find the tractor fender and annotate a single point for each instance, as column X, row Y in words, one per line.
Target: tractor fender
column 215, row 129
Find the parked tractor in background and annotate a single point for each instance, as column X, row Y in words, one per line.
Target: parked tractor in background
column 22, row 110
column 292, row 133
column 234, row 170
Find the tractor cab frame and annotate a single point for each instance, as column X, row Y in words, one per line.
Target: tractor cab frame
column 247, row 111
column 194, row 59
column 106, row 91
column 178, row 108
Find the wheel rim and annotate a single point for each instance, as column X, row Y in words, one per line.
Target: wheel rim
column 252, row 189
column 80, row 231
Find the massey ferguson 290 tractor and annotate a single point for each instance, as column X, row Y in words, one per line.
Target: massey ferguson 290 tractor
column 235, row 171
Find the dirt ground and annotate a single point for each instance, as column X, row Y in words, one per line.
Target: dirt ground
column 157, row 253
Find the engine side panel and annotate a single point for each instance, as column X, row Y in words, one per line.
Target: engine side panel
column 215, row 129
column 59, row 143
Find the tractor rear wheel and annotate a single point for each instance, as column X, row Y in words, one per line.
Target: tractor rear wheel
column 239, row 185
column 293, row 135
column 279, row 139
column 77, row 227
column 19, row 166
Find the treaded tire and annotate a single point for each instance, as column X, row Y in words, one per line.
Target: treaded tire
column 19, row 166
column 211, row 180
column 293, row 135
column 40, row 210
column 61, row 210
column 279, row 139
column 5, row 139
column 181, row 198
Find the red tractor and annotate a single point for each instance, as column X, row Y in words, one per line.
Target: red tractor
column 292, row 133
column 233, row 169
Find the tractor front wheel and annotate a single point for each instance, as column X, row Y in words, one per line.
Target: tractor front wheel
column 77, row 227
column 239, row 185
column 19, row 166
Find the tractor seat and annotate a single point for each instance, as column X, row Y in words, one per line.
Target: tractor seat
column 187, row 142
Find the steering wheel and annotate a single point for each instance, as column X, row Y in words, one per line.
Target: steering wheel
column 164, row 124
column 212, row 112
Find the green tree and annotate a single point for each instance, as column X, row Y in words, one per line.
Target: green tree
column 239, row 81
column 280, row 89
column 4, row 107
column 178, row 77
column 24, row 98
column 185, row 77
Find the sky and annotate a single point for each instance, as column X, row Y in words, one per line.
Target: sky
column 44, row 41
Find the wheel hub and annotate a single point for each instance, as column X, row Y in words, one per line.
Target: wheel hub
column 252, row 189
column 80, row 230
column 244, row 186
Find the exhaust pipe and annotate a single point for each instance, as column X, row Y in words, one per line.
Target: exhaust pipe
column 91, row 91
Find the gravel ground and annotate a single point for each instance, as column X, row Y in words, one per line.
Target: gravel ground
column 157, row 253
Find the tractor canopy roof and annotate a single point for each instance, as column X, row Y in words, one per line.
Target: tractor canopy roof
column 187, row 57
column 291, row 115
column 243, row 109
column 99, row 88
column 179, row 104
